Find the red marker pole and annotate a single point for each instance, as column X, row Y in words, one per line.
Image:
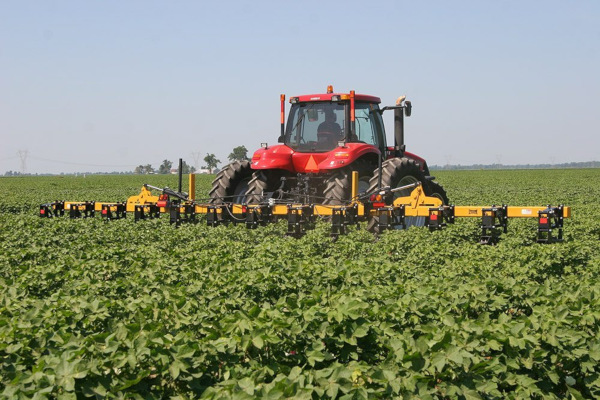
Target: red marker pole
column 352, row 121
column 282, row 97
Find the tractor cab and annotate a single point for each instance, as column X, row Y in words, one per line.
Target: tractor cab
column 323, row 122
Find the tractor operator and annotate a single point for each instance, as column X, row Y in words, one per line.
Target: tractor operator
column 330, row 126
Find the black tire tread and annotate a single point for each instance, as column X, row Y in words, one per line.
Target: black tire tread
column 338, row 187
column 438, row 189
column 258, row 184
column 226, row 180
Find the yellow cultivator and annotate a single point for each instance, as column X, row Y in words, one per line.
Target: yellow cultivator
column 381, row 210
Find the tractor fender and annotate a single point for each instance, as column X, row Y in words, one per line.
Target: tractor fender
column 283, row 157
column 273, row 157
column 421, row 161
column 343, row 156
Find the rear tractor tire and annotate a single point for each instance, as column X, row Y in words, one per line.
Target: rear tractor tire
column 402, row 171
column 338, row 187
column 231, row 183
column 261, row 183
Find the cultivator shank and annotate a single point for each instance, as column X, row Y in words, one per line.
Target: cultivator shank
column 54, row 209
column 550, row 220
column 113, row 211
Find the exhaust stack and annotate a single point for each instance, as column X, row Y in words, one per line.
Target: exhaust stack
column 399, row 114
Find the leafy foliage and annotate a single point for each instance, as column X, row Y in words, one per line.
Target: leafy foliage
column 144, row 310
column 211, row 161
column 239, row 153
column 144, row 169
column 165, row 167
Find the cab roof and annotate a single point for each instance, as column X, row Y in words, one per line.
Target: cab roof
column 327, row 97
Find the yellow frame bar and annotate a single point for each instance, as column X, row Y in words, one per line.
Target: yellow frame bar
column 417, row 204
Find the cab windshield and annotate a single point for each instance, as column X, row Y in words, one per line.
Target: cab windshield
column 319, row 126
column 315, row 127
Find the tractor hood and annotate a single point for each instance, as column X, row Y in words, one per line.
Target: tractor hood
column 284, row 157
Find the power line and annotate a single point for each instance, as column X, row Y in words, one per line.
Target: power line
column 24, row 155
column 81, row 164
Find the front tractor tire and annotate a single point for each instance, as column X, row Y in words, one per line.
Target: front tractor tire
column 402, row 171
column 231, row 183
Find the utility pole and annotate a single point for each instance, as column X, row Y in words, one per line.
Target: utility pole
column 23, row 156
column 196, row 156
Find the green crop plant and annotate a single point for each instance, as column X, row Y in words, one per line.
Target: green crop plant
column 146, row 310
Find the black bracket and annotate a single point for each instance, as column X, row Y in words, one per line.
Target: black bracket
column 113, row 211
column 182, row 213
column 55, row 209
column 298, row 218
column 216, row 218
column 218, row 214
column 86, row 209
column 391, row 217
column 260, row 215
column 341, row 218
column 146, row 211
column 440, row 217
column 493, row 219
column 213, row 218
column 550, row 220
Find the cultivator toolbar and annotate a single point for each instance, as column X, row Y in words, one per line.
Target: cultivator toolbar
column 381, row 210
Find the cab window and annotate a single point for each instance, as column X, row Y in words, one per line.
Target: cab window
column 369, row 125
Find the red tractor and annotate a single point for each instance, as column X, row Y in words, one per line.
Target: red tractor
column 327, row 136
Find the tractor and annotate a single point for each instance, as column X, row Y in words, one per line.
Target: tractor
column 327, row 136
column 332, row 162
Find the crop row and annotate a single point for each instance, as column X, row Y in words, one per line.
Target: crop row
column 144, row 310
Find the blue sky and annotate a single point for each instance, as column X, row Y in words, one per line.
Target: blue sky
column 103, row 86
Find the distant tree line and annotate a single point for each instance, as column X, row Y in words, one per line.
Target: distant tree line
column 165, row 168
column 585, row 164
column 14, row 173
column 239, row 153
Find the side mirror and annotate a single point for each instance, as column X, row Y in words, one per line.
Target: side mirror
column 281, row 139
column 407, row 108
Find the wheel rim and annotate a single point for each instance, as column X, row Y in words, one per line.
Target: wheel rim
column 239, row 193
column 363, row 184
column 407, row 180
